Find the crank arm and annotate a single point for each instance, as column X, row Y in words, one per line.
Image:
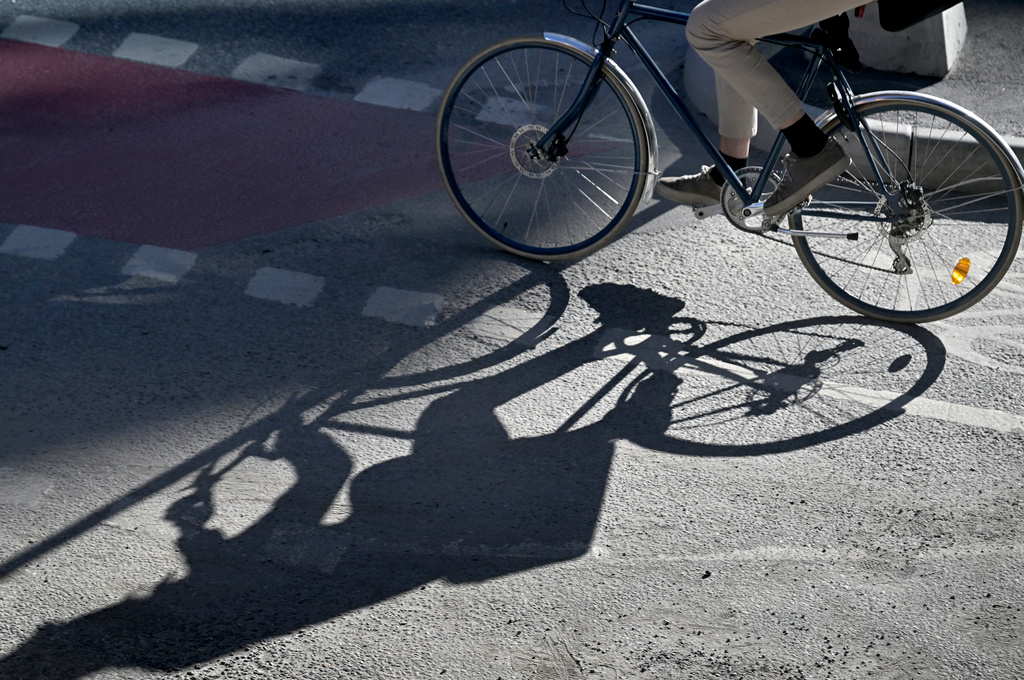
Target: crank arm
column 702, row 212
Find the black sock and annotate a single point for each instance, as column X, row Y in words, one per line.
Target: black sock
column 734, row 163
column 804, row 137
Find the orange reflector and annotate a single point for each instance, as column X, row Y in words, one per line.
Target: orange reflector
column 960, row 270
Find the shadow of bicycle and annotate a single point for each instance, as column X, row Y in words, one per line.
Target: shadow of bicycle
column 506, row 470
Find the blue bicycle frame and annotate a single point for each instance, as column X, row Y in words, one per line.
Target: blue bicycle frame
column 619, row 29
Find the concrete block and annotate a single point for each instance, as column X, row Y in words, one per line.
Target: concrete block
column 929, row 48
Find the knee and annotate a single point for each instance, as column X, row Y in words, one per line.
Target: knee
column 700, row 29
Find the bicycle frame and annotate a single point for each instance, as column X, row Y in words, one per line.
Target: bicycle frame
column 627, row 13
column 925, row 183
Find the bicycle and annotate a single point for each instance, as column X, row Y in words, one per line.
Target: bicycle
column 547, row 148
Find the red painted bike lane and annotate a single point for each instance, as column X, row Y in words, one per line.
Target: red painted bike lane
column 116, row 149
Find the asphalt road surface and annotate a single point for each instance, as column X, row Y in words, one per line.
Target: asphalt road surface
column 269, row 408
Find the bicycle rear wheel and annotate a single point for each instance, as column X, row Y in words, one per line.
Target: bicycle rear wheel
column 963, row 199
column 498, row 105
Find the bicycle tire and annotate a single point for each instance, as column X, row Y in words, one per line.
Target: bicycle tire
column 504, row 99
column 968, row 213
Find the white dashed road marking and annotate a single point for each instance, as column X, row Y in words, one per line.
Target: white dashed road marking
column 400, row 94
column 37, row 242
column 153, row 49
column 266, row 69
column 162, row 264
column 508, row 324
column 282, row 285
column 507, row 112
column 261, row 68
column 407, row 307
column 39, row 30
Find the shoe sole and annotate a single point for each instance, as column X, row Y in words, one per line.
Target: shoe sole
column 681, row 197
column 823, row 178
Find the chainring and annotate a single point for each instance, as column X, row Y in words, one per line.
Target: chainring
column 748, row 220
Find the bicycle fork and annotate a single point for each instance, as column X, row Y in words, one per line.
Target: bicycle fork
column 553, row 144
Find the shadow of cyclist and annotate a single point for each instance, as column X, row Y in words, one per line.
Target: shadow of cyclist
column 469, row 504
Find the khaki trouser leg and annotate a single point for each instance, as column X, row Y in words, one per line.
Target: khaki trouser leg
column 723, row 33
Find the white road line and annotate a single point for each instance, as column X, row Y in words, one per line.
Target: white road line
column 990, row 419
column 407, row 307
column 162, row 264
column 40, row 30
column 282, row 285
column 967, row 343
column 154, row 49
column 266, row 69
column 37, row 242
column 508, row 111
column 508, row 324
column 400, row 94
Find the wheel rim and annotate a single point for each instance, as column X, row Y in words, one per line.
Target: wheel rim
column 958, row 210
column 502, row 103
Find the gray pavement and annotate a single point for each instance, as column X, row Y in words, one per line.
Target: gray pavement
column 446, row 462
column 988, row 78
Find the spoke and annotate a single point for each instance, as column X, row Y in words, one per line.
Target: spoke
column 496, row 193
column 497, row 94
column 597, row 122
column 493, row 142
column 594, row 184
column 560, row 96
column 466, row 168
column 925, row 161
column 515, row 88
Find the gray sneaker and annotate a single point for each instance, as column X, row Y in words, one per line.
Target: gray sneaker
column 697, row 189
column 804, row 176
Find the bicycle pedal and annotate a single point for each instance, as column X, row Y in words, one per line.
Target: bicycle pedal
column 799, row 207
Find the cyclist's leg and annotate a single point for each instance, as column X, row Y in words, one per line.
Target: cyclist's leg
column 723, row 33
column 737, row 124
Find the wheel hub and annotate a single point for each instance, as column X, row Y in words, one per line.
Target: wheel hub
column 915, row 219
column 525, row 158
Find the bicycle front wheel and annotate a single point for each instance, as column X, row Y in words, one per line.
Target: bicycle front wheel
column 503, row 101
column 959, row 222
